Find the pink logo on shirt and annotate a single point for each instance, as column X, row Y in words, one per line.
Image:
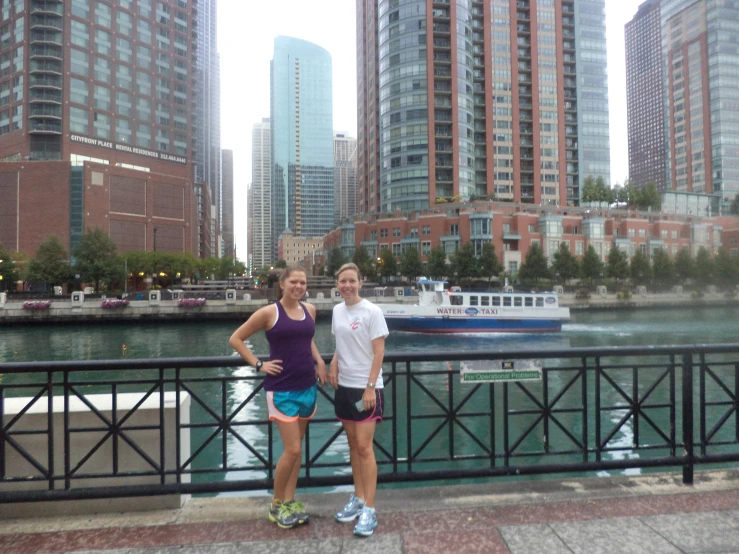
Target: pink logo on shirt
column 354, row 324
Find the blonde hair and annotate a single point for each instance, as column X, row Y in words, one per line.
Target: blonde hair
column 289, row 270
column 347, row 266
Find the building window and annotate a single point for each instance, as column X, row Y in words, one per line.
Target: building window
column 396, row 231
column 426, row 229
column 426, row 248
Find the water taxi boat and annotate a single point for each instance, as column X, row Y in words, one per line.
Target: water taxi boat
column 440, row 310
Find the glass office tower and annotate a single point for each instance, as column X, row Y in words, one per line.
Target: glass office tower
column 302, row 142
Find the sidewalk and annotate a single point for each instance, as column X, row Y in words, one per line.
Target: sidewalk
column 648, row 514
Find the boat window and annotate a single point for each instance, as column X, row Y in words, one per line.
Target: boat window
column 539, row 302
column 484, row 301
column 496, row 300
column 506, row 300
column 455, row 300
column 517, row 301
column 528, row 302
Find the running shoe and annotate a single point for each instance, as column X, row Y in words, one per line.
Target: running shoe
column 366, row 524
column 350, row 512
column 298, row 510
column 282, row 516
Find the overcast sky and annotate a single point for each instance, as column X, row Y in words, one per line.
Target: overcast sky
column 246, row 30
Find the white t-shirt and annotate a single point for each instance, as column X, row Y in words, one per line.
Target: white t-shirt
column 355, row 327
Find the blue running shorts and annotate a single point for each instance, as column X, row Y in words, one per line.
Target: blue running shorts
column 292, row 405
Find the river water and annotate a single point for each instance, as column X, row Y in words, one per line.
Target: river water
column 209, row 338
column 173, row 339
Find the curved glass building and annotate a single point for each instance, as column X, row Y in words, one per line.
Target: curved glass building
column 302, row 140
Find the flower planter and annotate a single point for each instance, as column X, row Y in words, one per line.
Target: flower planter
column 37, row 305
column 113, row 304
column 191, row 302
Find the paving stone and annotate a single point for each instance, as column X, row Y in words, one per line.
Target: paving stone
column 533, row 539
column 711, row 531
column 469, row 542
column 376, row 544
column 624, row 535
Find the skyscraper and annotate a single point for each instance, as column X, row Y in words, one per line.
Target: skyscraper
column 645, row 113
column 260, row 212
column 227, row 217
column 345, row 177
column 104, row 91
column 485, row 98
column 207, row 121
column 699, row 97
column 301, row 120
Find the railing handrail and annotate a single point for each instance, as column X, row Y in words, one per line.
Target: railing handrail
column 390, row 357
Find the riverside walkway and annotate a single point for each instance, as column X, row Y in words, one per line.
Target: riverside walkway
column 651, row 514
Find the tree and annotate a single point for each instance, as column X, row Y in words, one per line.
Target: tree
column 464, row 262
column 96, row 259
column 365, row 264
column 8, row 273
column 489, row 264
column 649, row 197
column 734, row 209
column 410, row 263
column 335, row 260
column 618, row 264
column 663, row 269
column 280, row 264
column 727, row 269
column 705, row 266
column 684, row 266
column 534, row 266
column 589, row 192
column 437, row 266
column 591, row 266
column 640, row 270
column 603, row 193
column 565, row 264
column 387, row 265
column 50, row 264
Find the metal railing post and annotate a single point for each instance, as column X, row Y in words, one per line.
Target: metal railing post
column 688, row 418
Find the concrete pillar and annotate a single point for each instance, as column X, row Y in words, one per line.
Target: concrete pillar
column 3, row 299
column 78, row 298
column 155, row 297
column 335, row 294
column 602, row 291
column 177, row 294
column 230, row 296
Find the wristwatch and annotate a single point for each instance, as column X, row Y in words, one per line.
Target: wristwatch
column 259, row 365
column 371, row 385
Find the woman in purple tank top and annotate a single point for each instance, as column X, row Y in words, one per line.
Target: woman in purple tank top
column 291, row 373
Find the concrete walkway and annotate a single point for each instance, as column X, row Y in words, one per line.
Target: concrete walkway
column 648, row 514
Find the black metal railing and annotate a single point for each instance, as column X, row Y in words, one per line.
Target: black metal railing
column 199, row 425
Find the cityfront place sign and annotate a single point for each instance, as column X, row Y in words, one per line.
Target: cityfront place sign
column 127, row 148
column 500, row 370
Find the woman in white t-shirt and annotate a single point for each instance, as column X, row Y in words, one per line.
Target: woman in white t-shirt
column 356, row 374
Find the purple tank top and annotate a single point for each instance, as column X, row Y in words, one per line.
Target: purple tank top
column 290, row 341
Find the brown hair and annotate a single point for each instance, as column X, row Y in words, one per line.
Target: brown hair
column 289, row 270
column 346, row 266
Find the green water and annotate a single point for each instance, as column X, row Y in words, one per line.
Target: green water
column 586, row 329
column 159, row 340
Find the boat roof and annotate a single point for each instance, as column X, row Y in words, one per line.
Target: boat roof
column 431, row 281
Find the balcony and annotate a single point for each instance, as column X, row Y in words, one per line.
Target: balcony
column 38, row 51
column 46, row 82
column 48, row 37
column 45, row 127
column 41, row 95
column 46, row 67
column 46, row 111
column 47, row 22
column 54, row 8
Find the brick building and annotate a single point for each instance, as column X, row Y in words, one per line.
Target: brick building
column 513, row 228
column 98, row 130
